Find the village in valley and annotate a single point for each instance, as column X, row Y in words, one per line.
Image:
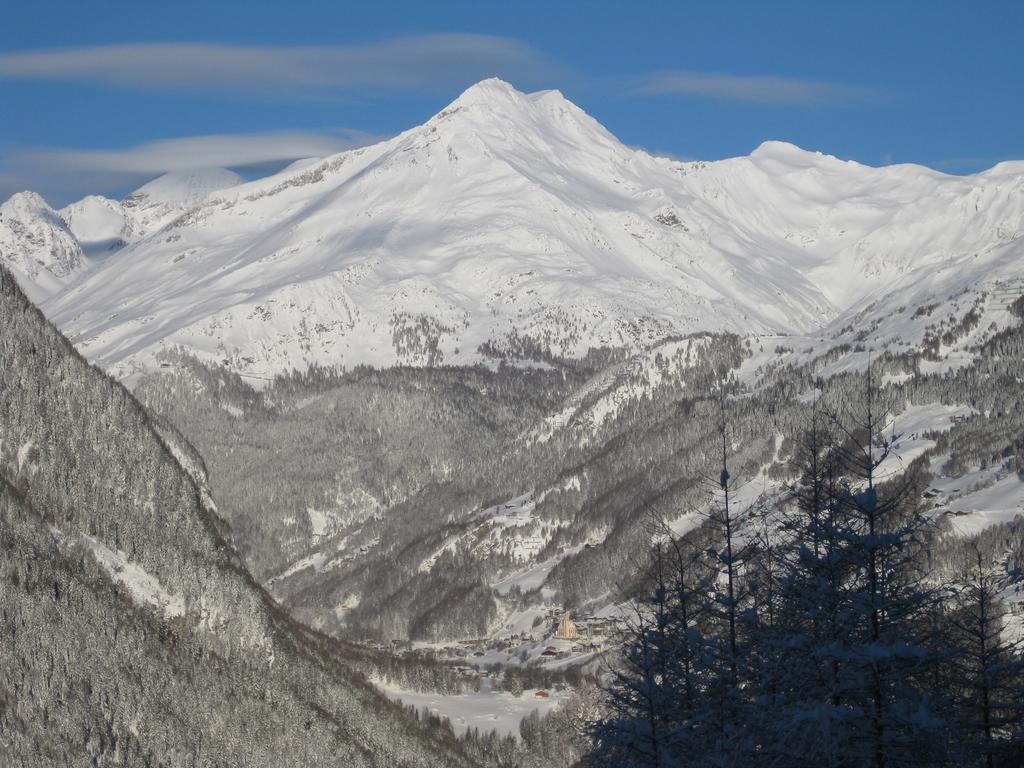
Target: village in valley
column 546, row 640
column 554, row 641
column 544, row 636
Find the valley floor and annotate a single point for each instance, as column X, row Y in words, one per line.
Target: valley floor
column 485, row 710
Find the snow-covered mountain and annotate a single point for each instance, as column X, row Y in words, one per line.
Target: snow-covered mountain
column 515, row 223
column 100, row 224
column 37, row 246
column 165, row 198
column 46, row 249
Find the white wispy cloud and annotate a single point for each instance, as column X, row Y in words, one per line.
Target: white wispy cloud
column 63, row 174
column 758, row 89
column 424, row 60
column 221, row 150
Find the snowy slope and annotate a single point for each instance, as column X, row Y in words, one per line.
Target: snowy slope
column 165, row 198
column 37, row 246
column 99, row 224
column 510, row 216
column 46, row 249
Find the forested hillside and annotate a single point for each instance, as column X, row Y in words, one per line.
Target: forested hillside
column 385, row 487
column 132, row 634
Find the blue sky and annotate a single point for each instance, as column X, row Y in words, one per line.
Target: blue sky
column 99, row 97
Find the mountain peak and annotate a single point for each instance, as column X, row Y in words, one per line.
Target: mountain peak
column 37, row 246
column 494, row 95
column 29, row 207
column 27, row 201
column 489, row 96
column 490, row 91
column 496, row 109
column 784, row 155
column 186, row 187
column 782, row 149
column 166, row 197
column 99, row 224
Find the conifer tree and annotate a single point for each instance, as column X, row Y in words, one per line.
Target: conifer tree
column 988, row 671
column 886, row 648
column 643, row 722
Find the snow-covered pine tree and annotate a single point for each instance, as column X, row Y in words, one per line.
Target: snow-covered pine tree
column 988, row 672
column 804, row 719
column 729, row 659
column 885, row 652
column 642, row 724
